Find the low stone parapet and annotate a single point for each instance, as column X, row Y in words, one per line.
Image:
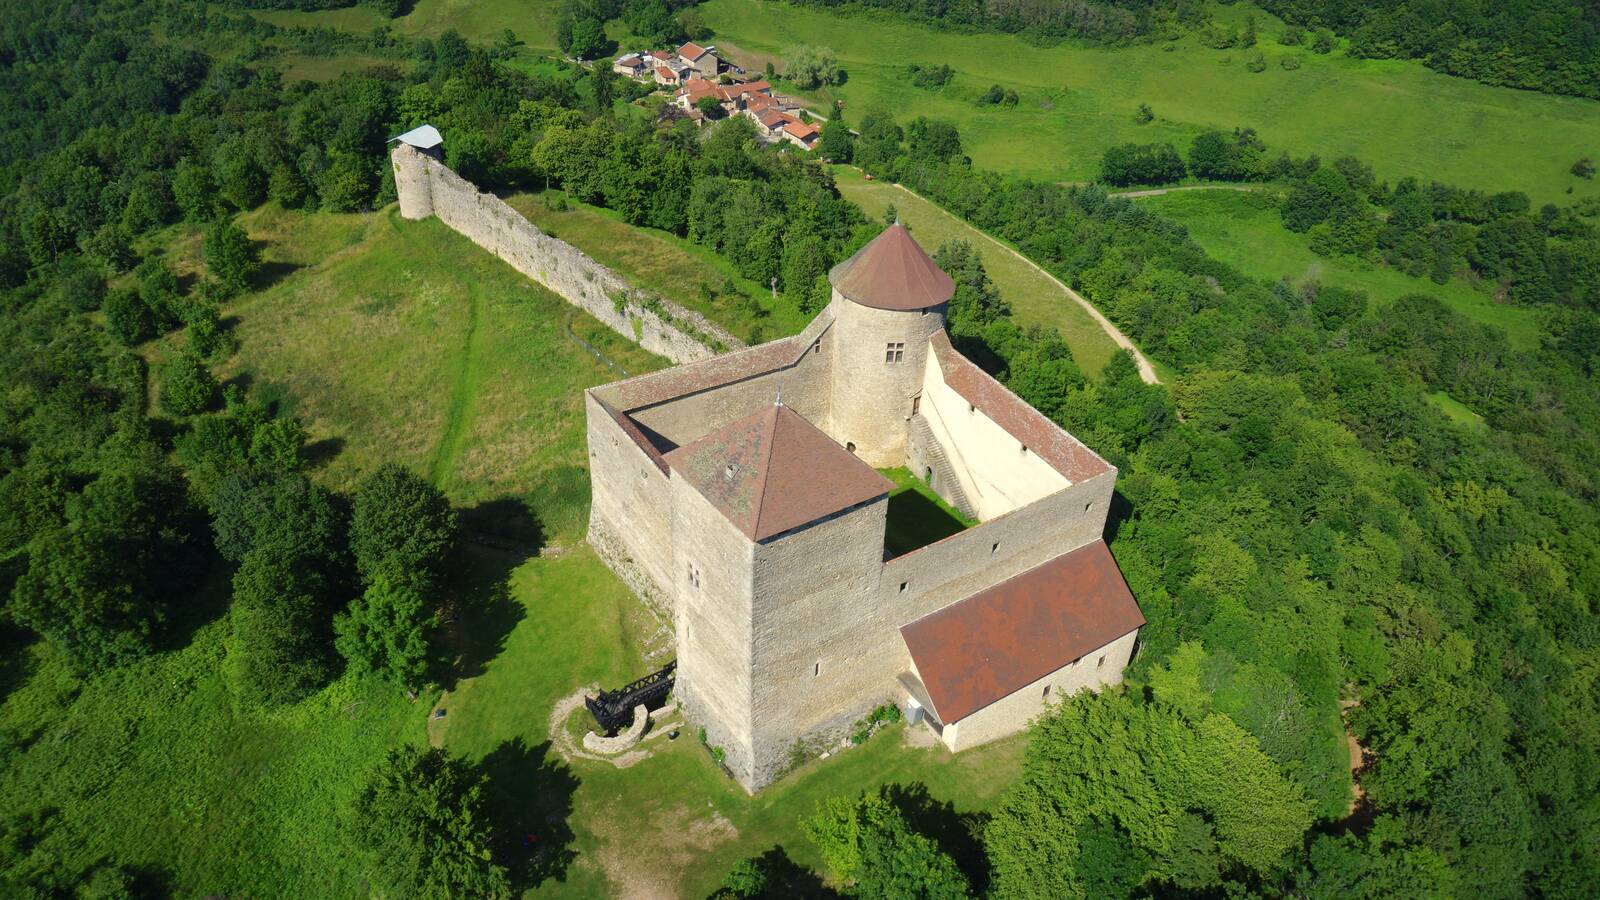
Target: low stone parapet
column 624, row 741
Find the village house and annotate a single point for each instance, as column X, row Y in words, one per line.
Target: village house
column 701, row 59
column 801, row 134
column 632, row 65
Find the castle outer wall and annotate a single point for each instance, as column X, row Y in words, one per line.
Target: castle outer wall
column 428, row 187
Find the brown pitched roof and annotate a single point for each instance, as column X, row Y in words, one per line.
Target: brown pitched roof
column 801, row 130
column 691, row 50
column 892, row 272
column 1033, row 429
column 773, row 471
column 998, row 641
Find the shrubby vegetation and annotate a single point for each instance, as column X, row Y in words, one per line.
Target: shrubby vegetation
column 1103, row 20
column 1305, row 527
column 1542, row 45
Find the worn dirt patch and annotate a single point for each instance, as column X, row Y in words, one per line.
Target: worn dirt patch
column 683, row 835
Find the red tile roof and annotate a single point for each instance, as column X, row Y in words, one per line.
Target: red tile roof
column 1033, row 429
column 892, row 272
column 691, row 51
column 773, row 471
column 660, row 54
column 998, row 641
column 801, row 130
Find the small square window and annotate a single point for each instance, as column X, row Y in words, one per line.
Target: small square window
column 894, row 351
column 903, row 586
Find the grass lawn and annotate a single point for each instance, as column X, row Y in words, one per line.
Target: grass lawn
column 1033, row 297
column 671, row 266
column 1079, row 99
column 400, row 340
column 1459, row 412
column 1243, row 230
column 411, row 345
column 918, row 516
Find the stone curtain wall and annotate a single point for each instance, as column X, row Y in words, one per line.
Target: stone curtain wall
column 427, row 186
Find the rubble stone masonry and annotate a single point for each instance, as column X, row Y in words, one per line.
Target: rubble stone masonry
column 428, row 187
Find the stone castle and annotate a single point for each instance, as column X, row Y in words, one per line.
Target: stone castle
column 742, row 492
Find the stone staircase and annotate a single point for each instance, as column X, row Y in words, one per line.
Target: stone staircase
column 944, row 473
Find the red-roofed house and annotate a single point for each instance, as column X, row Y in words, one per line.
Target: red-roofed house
column 701, row 59
column 668, row 77
column 740, row 492
column 801, row 134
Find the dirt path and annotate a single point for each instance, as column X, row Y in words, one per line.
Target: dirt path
column 1147, row 372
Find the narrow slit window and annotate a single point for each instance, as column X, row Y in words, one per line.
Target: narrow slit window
column 1101, row 663
column 995, row 548
column 816, row 670
column 1047, row 692
column 903, row 586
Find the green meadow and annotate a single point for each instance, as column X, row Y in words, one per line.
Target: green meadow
column 1078, row 99
column 398, row 340
column 1244, row 230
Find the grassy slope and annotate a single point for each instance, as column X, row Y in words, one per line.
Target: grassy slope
column 1079, row 99
column 368, row 335
column 671, row 266
column 1244, row 230
column 1033, row 297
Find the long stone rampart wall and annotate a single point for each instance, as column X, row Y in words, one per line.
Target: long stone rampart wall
column 427, row 186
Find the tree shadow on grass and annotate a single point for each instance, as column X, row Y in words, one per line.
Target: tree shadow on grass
column 528, row 801
column 318, row 454
column 782, row 877
column 958, row 834
column 273, row 272
column 496, row 537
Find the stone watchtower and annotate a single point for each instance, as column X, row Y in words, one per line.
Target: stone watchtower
column 411, row 171
column 769, row 637
column 888, row 299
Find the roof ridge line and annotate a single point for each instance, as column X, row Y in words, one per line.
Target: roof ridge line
column 766, row 470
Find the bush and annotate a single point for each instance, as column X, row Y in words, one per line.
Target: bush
column 1292, row 36
column 280, row 629
column 1583, row 168
column 932, row 77
column 231, row 256
column 402, row 527
column 1323, row 43
column 1289, row 63
column 811, row 67
column 992, row 96
column 187, row 386
column 1127, row 164
column 386, row 630
column 1256, row 63
column 1145, row 114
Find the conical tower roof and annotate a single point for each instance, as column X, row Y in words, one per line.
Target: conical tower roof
column 892, row 272
column 773, row 471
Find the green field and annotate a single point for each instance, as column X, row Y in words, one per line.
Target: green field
column 1243, row 230
column 1077, row 99
column 668, row 265
column 397, row 340
column 1034, row 298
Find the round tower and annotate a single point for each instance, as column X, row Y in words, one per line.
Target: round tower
column 888, row 299
column 410, row 160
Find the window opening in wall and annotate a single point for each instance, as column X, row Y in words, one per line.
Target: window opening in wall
column 916, row 404
column 1047, row 691
column 903, row 586
column 995, row 548
column 972, row 408
column 1024, row 448
column 694, row 576
column 816, row 346
column 1101, row 663
column 816, row 670
column 850, row 445
column 894, row 352
column 1078, row 660
column 730, row 471
column 927, row 474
